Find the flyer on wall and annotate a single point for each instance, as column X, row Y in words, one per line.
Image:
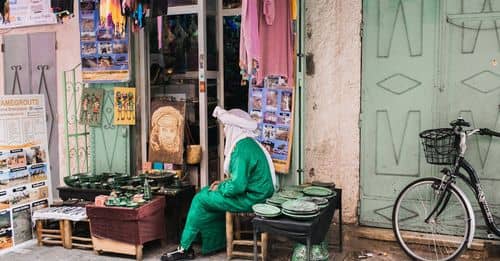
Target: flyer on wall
column 26, row 13
column 272, row 107
column 104, row 41
column 24, row 166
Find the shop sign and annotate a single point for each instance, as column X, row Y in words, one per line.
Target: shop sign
column 24, row 166
column 25, row 13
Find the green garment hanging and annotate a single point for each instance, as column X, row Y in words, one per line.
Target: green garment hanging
column 250, row 183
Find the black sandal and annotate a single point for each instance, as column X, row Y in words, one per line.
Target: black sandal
column 178, row 254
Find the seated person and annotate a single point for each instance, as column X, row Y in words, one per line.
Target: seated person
column 251, row 180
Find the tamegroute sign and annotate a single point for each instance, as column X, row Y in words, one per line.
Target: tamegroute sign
column 24, row 166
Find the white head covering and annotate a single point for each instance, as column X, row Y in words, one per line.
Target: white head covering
column 239, row 125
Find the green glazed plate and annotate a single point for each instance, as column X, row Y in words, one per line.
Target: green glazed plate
column 300, row 206
column 318, row 191
column 277, row 199
column 290, row 194
column 273, row 204
column 300, row 217
column 316, row 200
column 294, row 188
column 300, row 213
column 266, row 210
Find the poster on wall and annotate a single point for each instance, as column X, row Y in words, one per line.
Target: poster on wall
column 90, row 106
column 18, row 13
column 166, row 140
column 124, row 106
column 24, row 166
column 272, row 107
column 104, row 41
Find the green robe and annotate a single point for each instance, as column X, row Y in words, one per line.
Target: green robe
column 250, row 183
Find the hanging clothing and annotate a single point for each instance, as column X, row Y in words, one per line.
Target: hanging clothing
column 276, row 41
column 249, row 38
column 250, row 183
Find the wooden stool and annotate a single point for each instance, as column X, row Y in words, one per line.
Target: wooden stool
column 71, row 240
column 49, row 236
column 232, row 220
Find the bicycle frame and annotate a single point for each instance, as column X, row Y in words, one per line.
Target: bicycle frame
column 475, row 185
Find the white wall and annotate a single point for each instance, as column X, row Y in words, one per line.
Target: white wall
column 333, row 97
column 68, row 56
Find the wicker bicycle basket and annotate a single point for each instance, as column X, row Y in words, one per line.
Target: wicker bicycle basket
column 440, row 146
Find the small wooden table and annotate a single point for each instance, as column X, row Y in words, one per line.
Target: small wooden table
column 307, row 232
column 125, row 230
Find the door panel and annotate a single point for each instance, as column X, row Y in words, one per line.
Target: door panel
column 110, row 142
column 44, row 81
column 397, row 100
column 17, row 74
column 474, row 91
column 411, row 84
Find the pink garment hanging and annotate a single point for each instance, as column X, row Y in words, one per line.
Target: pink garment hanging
column 159, row 24
column 275, row 36
column 249, row 37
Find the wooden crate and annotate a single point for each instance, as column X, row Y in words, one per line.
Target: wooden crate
column 110, row 245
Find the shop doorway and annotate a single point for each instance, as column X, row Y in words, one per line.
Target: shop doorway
column 235, row 90
column 425, row 63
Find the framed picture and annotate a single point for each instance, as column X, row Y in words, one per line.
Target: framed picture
column 91, row 106
column 166, row 137
column 124, row 106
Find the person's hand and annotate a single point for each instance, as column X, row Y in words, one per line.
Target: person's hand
column 214, row 185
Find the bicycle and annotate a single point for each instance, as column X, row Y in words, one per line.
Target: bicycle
column 432, row 218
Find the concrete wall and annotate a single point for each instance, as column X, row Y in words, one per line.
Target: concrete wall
column 333, row 84
column 68, row 56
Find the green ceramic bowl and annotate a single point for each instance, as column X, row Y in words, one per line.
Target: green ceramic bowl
column 85, row 178
column 70, row 180
column 85, row 184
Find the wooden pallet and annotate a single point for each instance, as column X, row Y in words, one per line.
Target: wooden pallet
column 109, row 245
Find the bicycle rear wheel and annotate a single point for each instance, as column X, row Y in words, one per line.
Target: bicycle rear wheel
column 442, row 238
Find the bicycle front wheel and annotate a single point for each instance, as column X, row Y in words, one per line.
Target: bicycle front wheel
column 444, row 235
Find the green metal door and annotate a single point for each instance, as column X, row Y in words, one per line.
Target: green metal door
column 472, row 83
column 110, row 143
column 424, row 63
column 398, row 90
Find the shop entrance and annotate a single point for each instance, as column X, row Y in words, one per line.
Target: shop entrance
column 424, row 63
column 193, row 58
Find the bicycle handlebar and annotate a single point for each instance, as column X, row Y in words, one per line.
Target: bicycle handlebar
column 486, row 131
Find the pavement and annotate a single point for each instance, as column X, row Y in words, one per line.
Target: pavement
column 356, row 247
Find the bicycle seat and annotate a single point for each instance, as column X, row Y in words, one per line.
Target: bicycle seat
column 460, row 122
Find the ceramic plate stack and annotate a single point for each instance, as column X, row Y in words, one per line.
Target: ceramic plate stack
column 321, row 202
column 290, row 194
column 315, row 191
column 300, row 209
column 276, row 200
column 266, row 210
